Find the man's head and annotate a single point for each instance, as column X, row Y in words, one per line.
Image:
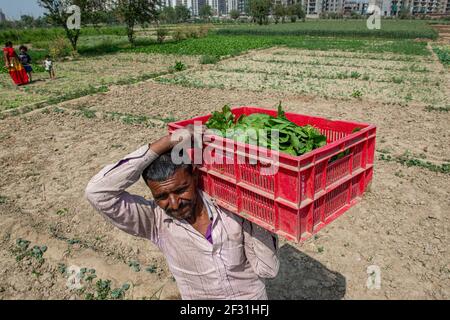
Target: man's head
column 174, row 187
column 23, row 49
column 8, row 44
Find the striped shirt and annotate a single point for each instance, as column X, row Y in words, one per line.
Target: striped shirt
column 231, row 266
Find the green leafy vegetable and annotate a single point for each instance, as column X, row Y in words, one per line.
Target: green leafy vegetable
column 293, row 139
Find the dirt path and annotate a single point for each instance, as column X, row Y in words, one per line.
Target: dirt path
column 444, row 33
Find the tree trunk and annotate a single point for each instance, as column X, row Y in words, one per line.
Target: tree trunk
column 73, row 37
column 130, row 33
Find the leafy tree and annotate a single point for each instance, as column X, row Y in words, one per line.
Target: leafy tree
column 279, row 12
column 97, row 13
column 56, row 15
column 297, row 10
column 260, row 10
column 205, row 11
column 405, row 12
column 235, row 14
column 27, row 21
column 182, row 13
column 168, row 15
column 134, row 12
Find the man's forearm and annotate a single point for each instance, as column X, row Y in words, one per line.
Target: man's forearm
column 162, row 145
column 107, row 193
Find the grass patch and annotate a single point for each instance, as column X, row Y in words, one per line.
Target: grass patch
column 87, row 113
column 437, row 109
column 37, row 35
column 443, row 54
column 208, row 59
column 77, row 94
column 132, row 119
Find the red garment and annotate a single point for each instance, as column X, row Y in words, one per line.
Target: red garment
column 16, row 69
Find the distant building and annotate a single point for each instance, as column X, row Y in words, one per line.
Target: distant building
column 414, row 7
column 315, row 7
column 2, row 16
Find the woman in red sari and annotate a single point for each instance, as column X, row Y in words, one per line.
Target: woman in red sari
column 15, row 68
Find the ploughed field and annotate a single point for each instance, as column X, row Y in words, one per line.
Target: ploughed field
column 48, row 155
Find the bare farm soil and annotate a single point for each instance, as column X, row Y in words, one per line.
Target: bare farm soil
column 401, row 226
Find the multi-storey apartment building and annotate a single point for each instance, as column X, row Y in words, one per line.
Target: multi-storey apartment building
column 393, row 7
column 315, row 7
column 332, row 6
column 2, row 16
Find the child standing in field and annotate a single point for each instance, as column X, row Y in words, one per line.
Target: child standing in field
column 25, row 59
column 48, row 65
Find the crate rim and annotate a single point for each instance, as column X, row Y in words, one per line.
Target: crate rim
column 367, row 127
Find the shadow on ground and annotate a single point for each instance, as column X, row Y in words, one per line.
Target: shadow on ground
column 304, row 278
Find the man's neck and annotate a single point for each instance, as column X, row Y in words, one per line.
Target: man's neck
column 200, row 211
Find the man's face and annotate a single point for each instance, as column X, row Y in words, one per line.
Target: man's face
column 177, row 195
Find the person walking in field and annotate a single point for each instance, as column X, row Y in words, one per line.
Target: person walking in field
column 25, row 59
column 49, row 67
column 15, row 68
column 211, row 252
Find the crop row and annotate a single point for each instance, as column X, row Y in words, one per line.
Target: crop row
column 356, row 28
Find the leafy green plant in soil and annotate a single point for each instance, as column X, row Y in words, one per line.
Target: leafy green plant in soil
column 443, row 55
column 293, row 139
column 408, row 161
column 22, row 250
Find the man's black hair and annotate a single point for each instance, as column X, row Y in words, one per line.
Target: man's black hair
column 22, row 47
column 8, row 44
column 163, row 168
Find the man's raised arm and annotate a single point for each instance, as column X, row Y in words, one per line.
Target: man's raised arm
column 130, row 213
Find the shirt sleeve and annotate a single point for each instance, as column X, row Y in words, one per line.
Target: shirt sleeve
column 130, row 213
column 261, row 249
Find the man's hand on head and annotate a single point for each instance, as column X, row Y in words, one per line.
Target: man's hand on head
column 166, row 143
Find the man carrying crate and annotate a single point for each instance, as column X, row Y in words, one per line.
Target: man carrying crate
column 211, row 252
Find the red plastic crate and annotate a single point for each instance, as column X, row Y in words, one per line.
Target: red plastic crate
column 308, row 192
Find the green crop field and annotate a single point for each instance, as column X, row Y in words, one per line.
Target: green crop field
column 397, row 29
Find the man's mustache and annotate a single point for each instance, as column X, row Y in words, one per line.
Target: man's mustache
column 183, row 204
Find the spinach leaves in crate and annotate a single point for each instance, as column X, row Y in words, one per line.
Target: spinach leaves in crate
column 293, row 139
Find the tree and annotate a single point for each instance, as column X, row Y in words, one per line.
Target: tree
column 182, row 13
column 235, row 14
column 405, row 12
column 57, row 16
column 97, row 13
column 297, row 10
column 205, row 11
column 27, row 21
column 168, row 15
column 134, row 12
column 279, row 12
column 260, row 10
